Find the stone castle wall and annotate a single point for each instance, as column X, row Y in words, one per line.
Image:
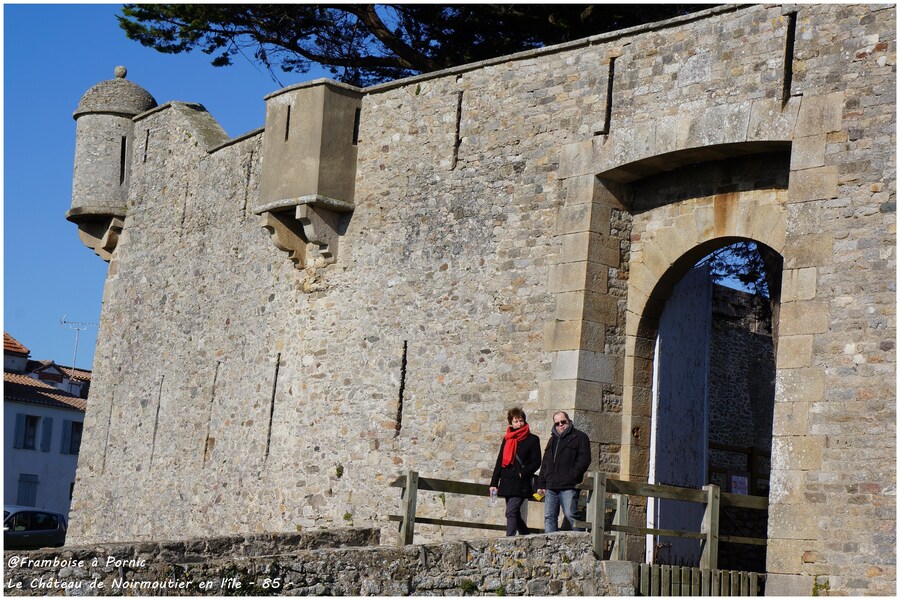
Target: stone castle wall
column 515, row 231
column 742, row 379
column 336, row 563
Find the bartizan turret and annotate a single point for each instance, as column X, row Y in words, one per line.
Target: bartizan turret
column 309, row 166
column 103, row 141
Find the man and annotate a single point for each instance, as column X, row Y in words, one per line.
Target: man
column 566, row 460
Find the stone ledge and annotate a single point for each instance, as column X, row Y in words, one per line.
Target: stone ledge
column 559, row 563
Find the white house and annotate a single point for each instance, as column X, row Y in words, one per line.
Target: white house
column 74, row 381
column 42, row 428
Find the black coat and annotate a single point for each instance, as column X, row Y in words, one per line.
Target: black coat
column 566, row 460
column 515, row 479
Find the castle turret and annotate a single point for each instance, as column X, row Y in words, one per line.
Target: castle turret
column 103, row 140
column 309, row 166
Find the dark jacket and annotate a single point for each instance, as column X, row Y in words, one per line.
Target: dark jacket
column 566, row 460
column 515, row 479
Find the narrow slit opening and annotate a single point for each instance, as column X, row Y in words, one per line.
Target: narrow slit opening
column 458, row 139
column 399, row 419
column 789, row 42
column 356, row 118
column 272, row 405
column 156, row 423
column 287, row 124
column 607, row 114
column 122, row 160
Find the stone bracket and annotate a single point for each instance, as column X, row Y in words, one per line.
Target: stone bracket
column 316, row 220
column 98, row 231
column 287, row 236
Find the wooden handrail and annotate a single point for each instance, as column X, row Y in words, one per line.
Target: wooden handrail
column 599, row 485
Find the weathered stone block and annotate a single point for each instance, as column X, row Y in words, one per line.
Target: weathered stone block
column 786, row 556
column 808, row 152
column 666, row 134
column 791, row 418
column 798, row 284
column 600, row 427
column 799, row 385
column 640, row 400
column 645, row 138
column 577, row 276
column 794, row 522
column 590, row 306
column 639, row 371
column 581, row 189
column 812, row 250
column 574, row 335
column 591, row 366
column 794, row 352
column 819, row 183
column 799, row 318
column 770, row 121
column 576, row 159
column 587, row 216
column 804, row 452
column 820, row 114
column 558, row 394
column 780, row 584
column 591, row 246
column 786, row 486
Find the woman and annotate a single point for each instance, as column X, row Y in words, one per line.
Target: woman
column 519, row 458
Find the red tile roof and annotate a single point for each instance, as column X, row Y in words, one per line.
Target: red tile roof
column 76, row 374
column 22, row 388
column 10, row 344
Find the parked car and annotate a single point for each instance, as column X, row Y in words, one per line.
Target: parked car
column 26, row 527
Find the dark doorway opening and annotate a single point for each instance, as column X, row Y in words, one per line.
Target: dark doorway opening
column 714, row 393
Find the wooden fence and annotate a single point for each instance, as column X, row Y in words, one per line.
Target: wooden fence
column 668, row 580
column 660, row 579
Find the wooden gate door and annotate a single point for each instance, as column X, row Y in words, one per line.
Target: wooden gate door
column 678, row 446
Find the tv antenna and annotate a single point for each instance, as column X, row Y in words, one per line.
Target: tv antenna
column 78, row 328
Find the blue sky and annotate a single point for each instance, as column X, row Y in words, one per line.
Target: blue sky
column 52, row 54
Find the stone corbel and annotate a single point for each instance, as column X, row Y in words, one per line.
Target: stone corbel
column 287, row 235
column 99, row 230
column 316, row 220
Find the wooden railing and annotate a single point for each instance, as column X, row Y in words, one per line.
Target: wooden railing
column 412, row 483
column 650, row 580
column 599, row 486
column 709, row 536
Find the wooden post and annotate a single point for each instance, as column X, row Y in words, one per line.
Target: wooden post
column 709, row 556
column 621, row 518
column 408, row 524
column 596, row 512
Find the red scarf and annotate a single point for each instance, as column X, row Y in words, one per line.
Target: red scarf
column 513, row 437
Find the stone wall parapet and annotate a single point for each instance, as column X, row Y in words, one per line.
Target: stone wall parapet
column 296, row 564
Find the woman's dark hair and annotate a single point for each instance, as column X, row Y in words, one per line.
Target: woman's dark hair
column 515, row 412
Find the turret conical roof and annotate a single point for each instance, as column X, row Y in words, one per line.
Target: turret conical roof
column 117, row 96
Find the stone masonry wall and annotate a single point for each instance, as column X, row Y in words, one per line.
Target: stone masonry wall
column 515, row 234
column 741, row 379
column 341, row 565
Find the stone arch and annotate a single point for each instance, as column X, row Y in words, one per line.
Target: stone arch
column 660, row 256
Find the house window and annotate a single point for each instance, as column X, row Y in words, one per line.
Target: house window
column 28, row 484
column 30, row 432
column 71, row 438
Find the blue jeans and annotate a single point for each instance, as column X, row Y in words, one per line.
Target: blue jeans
column 568, row 500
